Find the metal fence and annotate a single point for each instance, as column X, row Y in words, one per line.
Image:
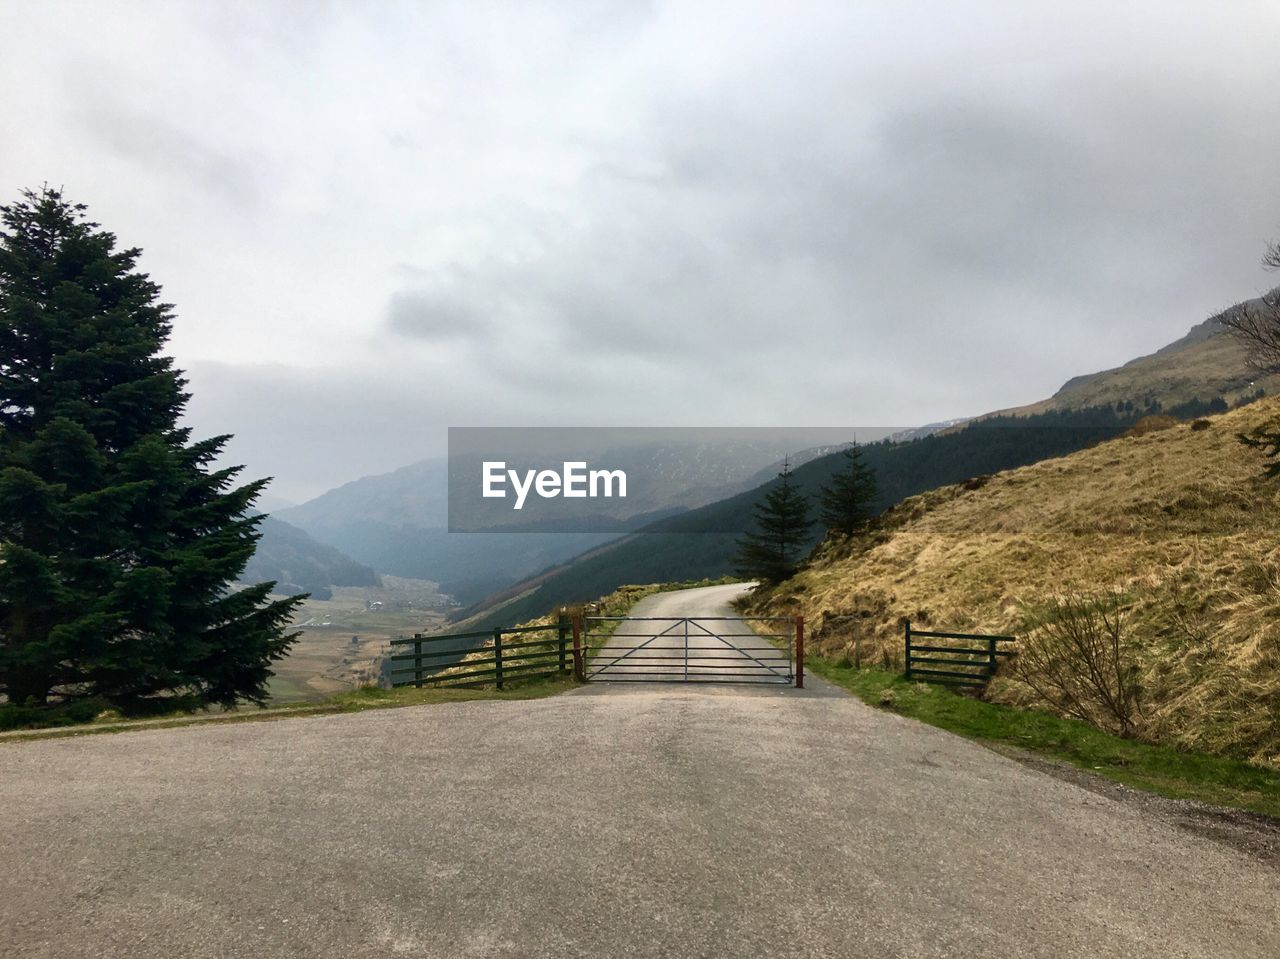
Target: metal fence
column 694, row 649
column 481, row 658
column 946, row 660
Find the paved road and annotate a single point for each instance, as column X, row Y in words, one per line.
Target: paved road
column 661, row 641
column 616, row 821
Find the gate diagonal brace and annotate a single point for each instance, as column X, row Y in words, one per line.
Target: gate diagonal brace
column 636, row 649
column 741, row 649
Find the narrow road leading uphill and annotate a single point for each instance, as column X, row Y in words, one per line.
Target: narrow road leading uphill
column 661, row 640
column 655, row 821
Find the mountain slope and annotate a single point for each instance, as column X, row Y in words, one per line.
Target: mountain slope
column 1180, row 521
column 701, row 543
column 414, row 495
column 1208, row 362
column 299, row 564
column 1204, row 371
column 398, row 522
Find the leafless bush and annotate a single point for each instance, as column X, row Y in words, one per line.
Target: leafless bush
column 1076, row 658
column 1257, row 324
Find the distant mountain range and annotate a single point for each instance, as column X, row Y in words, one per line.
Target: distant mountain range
column 1203, row 372
column 701, row 543
column 397, row 522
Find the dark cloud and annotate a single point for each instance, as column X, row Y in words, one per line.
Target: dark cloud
column 618, row 213
column 434, row 317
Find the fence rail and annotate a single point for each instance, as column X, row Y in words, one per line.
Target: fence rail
column 482, row 657
column 693, row 649
column 950, row 663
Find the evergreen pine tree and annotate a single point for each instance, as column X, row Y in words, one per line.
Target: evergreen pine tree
column 771, row 552
column 845, row 503
column 119, row 540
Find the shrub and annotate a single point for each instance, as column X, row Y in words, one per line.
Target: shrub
column 1077, row 659
column 1151, row 424
column 18, row 716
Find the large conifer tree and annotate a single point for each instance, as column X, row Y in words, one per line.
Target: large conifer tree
column 119, row 540
column 770, row 552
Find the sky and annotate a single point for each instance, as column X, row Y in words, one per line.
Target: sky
column 378, row 220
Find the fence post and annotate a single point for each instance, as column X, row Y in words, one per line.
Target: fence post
column 578, row 672
column 497, row 655
column 417, row 660
column 799, row 652
column 906, row 654
column 991, row 658
column 562, row 630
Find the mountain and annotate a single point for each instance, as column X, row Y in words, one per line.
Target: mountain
column 299, row 564
column 1208, row 362
column 415, row 495
column 1203, row 372
column 701, row 543
column 1178, row 525
column 398, row 522
column 269, row 502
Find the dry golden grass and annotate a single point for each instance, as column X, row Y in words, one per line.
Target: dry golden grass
column 1215, row 366
column 1181, row 522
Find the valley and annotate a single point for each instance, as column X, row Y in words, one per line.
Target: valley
column 1096, row 489
column 343, row 639
column 586, row 480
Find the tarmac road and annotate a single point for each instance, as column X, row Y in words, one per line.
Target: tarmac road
column 660, row 641
column 615, row 821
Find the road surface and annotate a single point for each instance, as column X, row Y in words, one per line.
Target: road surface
column 660, row 641
column 615, row 821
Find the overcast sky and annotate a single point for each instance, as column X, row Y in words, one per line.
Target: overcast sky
column 378, row 220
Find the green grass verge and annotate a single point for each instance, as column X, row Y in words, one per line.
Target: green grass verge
column 358, row 700
column 1158, row 769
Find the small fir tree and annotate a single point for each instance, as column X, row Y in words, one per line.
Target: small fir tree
column 119, row 540
column 771, row 553
column 846, row 502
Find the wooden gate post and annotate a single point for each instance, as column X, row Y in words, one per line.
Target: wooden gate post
column 497, row 655
column 906, row 648
column 578, row 673
column 799, row 652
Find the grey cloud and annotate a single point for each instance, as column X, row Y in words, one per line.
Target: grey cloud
column 431, row 316
column 171, row 150
column 630, row 213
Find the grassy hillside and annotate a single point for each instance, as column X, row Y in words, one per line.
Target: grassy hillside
column 1207, row 362
column 1177, row 526
column 701, row 543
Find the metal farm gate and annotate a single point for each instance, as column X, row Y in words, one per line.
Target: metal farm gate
column 694, row 649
